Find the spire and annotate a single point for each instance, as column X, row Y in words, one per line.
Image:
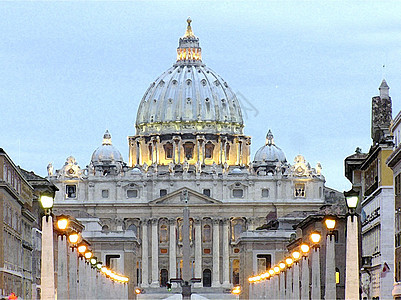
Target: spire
column 269, row 138
column 106, row 138
column 188, row 51
column 384, row 90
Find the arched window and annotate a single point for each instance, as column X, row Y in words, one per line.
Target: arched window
column 133, row 228
column 163, row 234
column 235, row 271
column 209, row 148
column 207, row 278
column 163, row 277
column 189, row 150
column 168, row 151
column 150, row 148
column 207, row 234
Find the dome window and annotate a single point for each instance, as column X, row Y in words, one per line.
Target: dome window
column 189, row 81
column 152, row 118
column 207, row 100
column 216, row 82
column 154, row 100
column 168, row 150
column 238, row 193
column 209, row 148
column 188, row 100
column 203, row 82
column 174, row 82
column 170, row 100
column 189, row 150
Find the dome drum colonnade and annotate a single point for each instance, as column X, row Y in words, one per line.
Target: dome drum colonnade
column 189, row 114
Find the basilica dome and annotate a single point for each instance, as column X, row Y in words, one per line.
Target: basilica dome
column 189, row 97
column 269, row 153
column 106, row 154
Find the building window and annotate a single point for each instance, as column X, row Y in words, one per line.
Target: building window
column 227, row 151
column 163, row 192
column 132, row 193
column 207, row 234
column 163, row 277
column 209, row 148
column 398, row 185
column 112, row 260
column 71, row 191
column 238, row 193
column 265, row 193
column 150, row 148
column 206, row 192
column 105, row 193
column 263, row 262
column 163, row 234
column 189, row 150
column 238, row 229
column 300, row 190
column 337, row 276
column 105, row 228
column 235, row 272
column 207, row 278
column 168, row 151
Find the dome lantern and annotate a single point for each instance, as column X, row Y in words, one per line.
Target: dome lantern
column 188, row 50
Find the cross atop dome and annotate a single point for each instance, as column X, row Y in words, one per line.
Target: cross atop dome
column 189, row 51
column 106, row 138
column 269, row 138
column 188, row 32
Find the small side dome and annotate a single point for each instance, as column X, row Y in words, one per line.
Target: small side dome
column 269, row 153
column 106, row 154
column 236, row 171
column 136, row 171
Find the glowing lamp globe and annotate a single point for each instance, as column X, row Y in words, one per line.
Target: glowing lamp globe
column 271, row 272
column 315, row 237
column 304, row 248
column 73, row 238
column 82, row 249
column 289, row 261
column 88, row 254
column 330, row 223
column 281, row 265
column 62, row 223
column 296, row 255
column 46, row 201
column 276, row 269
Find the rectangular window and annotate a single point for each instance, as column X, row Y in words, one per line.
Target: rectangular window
column 263, row 262
column 300, row 190
column 209, row 148
column 71, row 191
column 163, row 192
column 168, row 150
column 206, row 192
column 105, row 193
column 132, row 193
column 265, row 193
column 238, row 193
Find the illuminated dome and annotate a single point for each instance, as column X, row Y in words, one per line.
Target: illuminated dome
column 270, row 152
column 106, row 154
column 189, row 97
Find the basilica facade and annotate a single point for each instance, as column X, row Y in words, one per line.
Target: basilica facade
column 189, row 150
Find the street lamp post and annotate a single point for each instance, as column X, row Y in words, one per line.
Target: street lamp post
column 315, row 238
column 352, row 253
column 330, row 282
column 295, row 273
column 305, row 272
column 47, row 256
column 62, row 254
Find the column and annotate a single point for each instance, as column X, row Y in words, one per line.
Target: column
column 82, row 284
column 198, row 251
column 305, row 278
column 330, row 283
column 316, row 294
column 352, row 259
column 145, row 254
column 282, row 285
column 226, row 253
column 47, row 266
column 173, row 250
column 216, row 253
column 72, row 273
column 62, row 278
column 288, row 286
column 155, row 254
column 295, row 280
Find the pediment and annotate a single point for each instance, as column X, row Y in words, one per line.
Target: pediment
column 177, row 198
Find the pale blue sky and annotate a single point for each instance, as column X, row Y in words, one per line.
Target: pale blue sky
column 70, row 70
